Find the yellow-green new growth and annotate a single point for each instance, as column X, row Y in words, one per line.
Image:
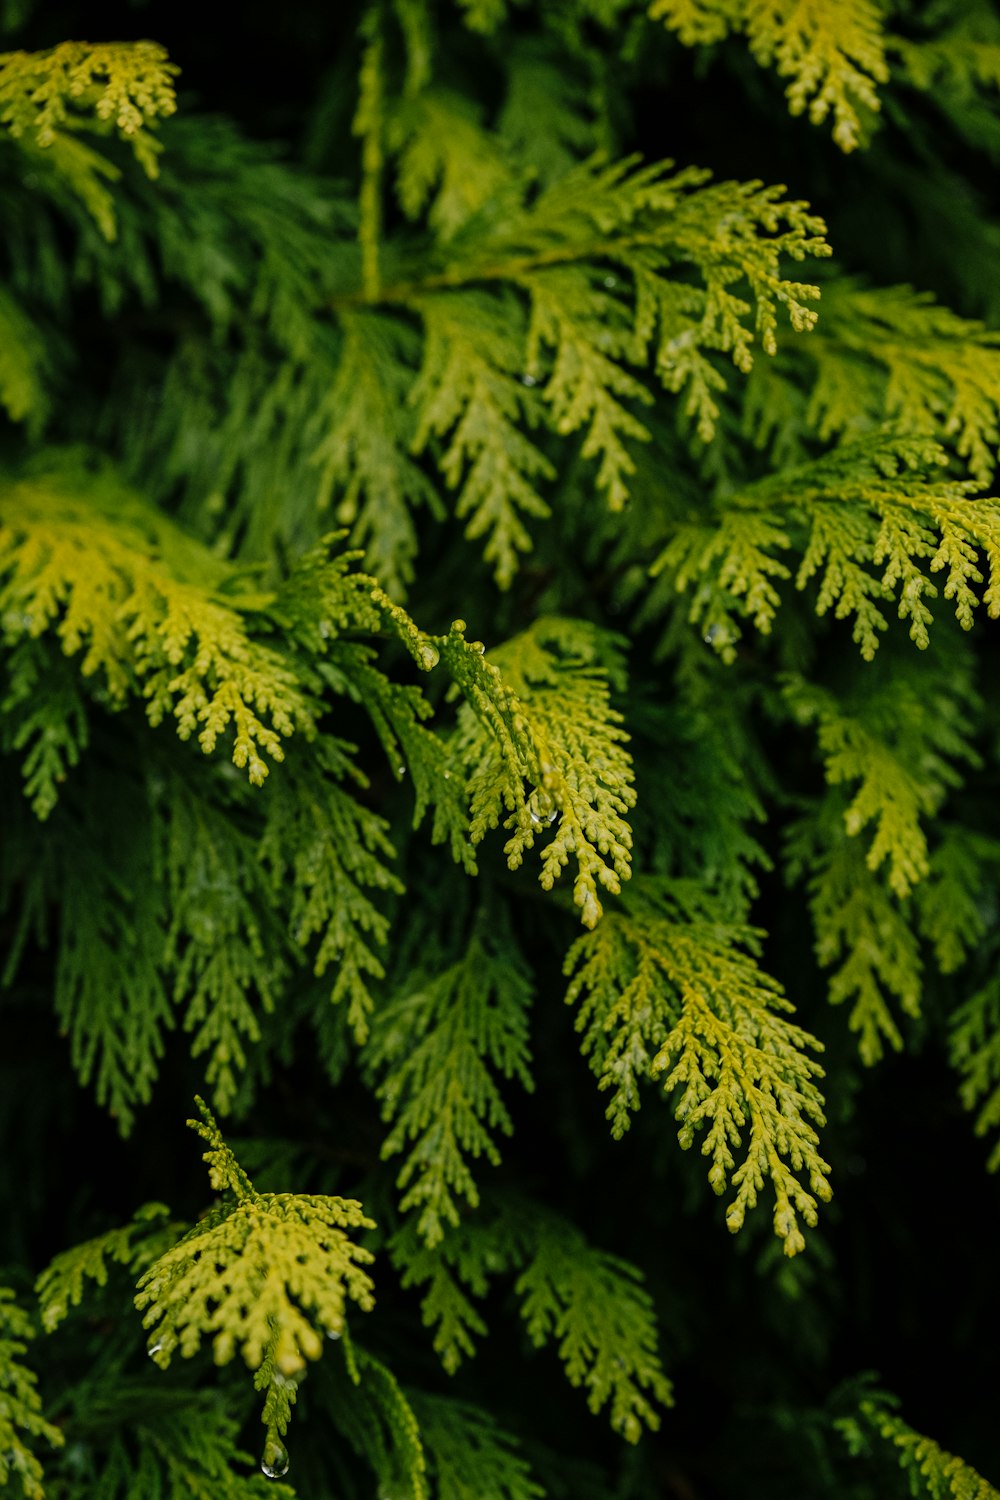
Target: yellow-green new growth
column 60, row 1287
column 666, row 990
column 124, row 85
column 932, row 1473
column 833, row 53
column 601, row 1316
column 560, row 313
column 539, row 716
column 264, row 1274
column 872, row 523
column 48, row 98
column 103, row 585
column 21, row 1420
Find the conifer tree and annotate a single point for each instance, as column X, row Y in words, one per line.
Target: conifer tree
column 498, row 563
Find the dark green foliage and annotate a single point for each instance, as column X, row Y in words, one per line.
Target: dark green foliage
column 494, row 589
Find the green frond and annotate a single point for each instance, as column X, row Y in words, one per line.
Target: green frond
column 125, row 86
column 375, row 1416
column 730, row 571
column 952, row 914
column 104, row 87
column 547, row 119
column 975, row 1053
column 60, row 1286
column 97, row 582
column 601, row 258
column 594, row 1306
column 324, row 605
column 448, row 166
column 408, row 336
column 472, row 395
column 135, row 1439
column 903, row 758
column 539, row 712
column 451, row 1274
column 366, row 466
column 43, row 716
column 665, row 988
column 956, row 63
column 23, row 363
column 884, row 355
column 646, row 224
column 919, row 521
column 871, row 522
column 21, row 1422
column 861, row 933
column 470, row 1456
column 436, row 1046
column 219, row 953
column 929, row 1469
column 266, row 1275
column 834, row 56
column 110, row 996
column 705, row 816
column 335, row 855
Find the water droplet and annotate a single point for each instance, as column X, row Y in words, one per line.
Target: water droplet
column 477, row 647
column 610, row 281
column 542, row 806
column 714, row 635
column 274, row 1462
column 446, row 775
column 429, row 656
column 154, row 1350
column 325, row 629
column 336, row 1333
column 528, row 380
column 400, row 770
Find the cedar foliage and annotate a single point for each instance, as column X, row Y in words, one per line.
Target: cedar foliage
column 494, row 589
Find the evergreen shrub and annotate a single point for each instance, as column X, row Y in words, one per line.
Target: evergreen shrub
column 499, row 724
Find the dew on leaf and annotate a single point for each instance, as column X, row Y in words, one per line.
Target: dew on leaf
column 542, row 807
column 274, row 1462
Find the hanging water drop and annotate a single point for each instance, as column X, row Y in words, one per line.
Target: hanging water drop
column 336, row 1333
column 542, row 807
column 154, row 1350
column 274, row 1462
